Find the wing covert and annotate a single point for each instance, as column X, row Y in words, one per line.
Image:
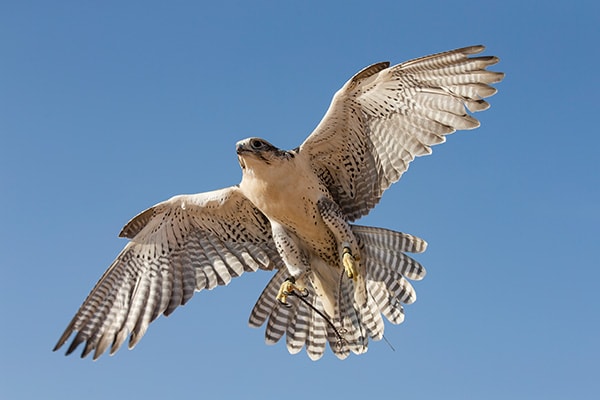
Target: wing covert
column 384, row 117
column 182, row 245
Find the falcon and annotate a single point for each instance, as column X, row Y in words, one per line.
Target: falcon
column 293, row 213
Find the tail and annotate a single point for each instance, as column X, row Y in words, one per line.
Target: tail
column 306, row 324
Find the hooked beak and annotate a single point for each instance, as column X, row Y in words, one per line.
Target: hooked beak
column 240, row 150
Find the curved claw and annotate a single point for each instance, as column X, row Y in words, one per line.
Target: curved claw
column 284, row 303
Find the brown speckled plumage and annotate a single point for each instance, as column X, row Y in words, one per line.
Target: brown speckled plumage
column 292, row 213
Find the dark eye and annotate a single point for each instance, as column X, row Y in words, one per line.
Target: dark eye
column 257, row 144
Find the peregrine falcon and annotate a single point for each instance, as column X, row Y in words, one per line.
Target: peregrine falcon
column 293, row 212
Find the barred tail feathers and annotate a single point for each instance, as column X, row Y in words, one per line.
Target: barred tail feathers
column 389, row 268
column 308, row 324
column 304, row 321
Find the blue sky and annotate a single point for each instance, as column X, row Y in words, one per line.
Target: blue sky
column 107, row 108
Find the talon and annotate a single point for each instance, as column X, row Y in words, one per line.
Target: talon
column 287, row 288
column 349, row 262
column 283, row 303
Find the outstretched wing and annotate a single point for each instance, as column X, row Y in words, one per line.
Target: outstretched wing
column 182, row 245
column 384, row 117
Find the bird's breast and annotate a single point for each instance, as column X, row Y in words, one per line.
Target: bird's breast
column 289, row 199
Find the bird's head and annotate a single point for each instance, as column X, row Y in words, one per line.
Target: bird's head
column 256, row 153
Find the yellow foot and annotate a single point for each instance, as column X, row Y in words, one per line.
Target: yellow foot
column 287, row 288
column 349, row 262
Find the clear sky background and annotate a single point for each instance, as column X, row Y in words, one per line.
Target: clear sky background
column 109, row 107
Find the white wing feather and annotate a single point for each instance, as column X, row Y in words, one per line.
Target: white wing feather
column 182, row 245
column 384, row 117
column 377, row 123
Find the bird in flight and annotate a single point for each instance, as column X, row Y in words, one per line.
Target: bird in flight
column 293, row 213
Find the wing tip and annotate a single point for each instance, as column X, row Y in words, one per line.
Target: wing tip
column 90, row 346
column 64, row 338
column 61, row 342
column 473, row 49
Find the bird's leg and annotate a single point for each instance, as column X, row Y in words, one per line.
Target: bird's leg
column 336, row 222
column 288, row 287
column 349, row 261
column 295, row 260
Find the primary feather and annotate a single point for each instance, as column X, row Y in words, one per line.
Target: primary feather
column 377, row 123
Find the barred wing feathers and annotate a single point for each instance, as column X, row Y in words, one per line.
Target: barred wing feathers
column 384, row 117
column 182, row 245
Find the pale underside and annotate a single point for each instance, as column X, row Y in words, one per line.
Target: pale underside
column 378, row 122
